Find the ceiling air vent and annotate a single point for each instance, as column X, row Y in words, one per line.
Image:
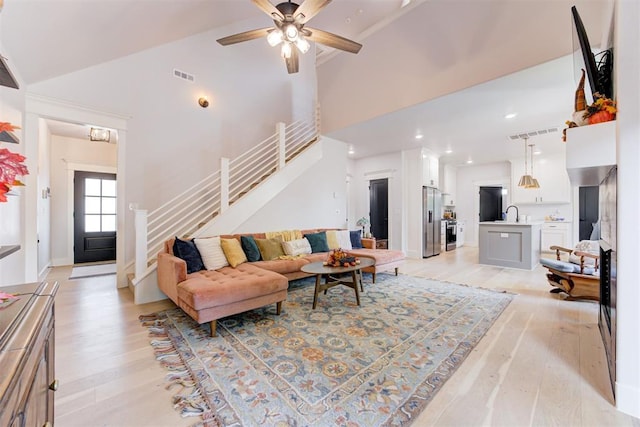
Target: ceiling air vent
column 182, row 75
column 525, row 135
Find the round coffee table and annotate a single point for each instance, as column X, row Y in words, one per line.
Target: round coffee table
column 319, row 269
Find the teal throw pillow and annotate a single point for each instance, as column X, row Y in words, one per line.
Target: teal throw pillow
column 250, row 248
column 318, row 242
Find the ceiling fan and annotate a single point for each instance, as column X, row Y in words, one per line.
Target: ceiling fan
column 290, row 31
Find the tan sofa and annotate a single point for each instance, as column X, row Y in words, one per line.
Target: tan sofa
column 208, row 295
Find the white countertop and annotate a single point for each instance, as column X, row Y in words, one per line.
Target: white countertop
column 505, row 223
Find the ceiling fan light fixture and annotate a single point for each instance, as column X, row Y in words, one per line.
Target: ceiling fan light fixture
column 275, row 37
column 291, row 32
column 302, row 44
column 286, row 50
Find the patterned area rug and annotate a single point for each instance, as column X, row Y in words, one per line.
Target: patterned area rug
column 344, row 365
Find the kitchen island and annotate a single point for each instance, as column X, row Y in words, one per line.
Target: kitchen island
column 510, row 244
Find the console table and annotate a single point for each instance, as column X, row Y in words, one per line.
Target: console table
column 27, row 351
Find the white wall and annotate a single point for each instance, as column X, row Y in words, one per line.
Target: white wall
column 43, row 204
column 376, row 167
column 627, row 70
column 12, row 212
column 171, row 141
column 468, row 181
column 316, row 199
column 67, row 156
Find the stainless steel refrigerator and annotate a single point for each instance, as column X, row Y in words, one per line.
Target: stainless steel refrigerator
column 431, row 217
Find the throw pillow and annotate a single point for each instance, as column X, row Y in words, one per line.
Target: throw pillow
column 332, row 239
column 344, row 239
column 356, row 239
column 211, row 252
column 233, row 251
column 250, row 248
column 187, row 250
column 270, row 249
column 318, row 242
column 296, row 247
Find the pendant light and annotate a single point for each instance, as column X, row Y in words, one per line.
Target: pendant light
column 534, row 183
column 526, row 180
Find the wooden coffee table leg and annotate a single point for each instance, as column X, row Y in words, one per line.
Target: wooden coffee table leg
column 316, row 290
column 354, row 277
column 359, row 274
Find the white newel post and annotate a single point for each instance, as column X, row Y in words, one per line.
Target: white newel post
column 282, row 155
column 141, row 241
column 224, row 184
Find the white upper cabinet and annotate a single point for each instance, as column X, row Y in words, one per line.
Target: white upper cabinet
column 430, row 169
column 448, row 184
column 551, row 173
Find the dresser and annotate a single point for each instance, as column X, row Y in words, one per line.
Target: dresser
column 27, row 348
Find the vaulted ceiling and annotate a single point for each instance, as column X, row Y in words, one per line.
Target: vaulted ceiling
column 418, row 72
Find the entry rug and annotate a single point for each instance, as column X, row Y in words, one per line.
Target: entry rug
column 378, row 364
column 93, row 270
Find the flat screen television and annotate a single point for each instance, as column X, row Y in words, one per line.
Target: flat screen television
column 598, row 73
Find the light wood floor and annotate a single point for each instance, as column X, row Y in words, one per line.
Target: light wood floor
column 542, row 363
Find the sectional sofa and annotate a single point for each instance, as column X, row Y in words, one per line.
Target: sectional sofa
column 212, row 293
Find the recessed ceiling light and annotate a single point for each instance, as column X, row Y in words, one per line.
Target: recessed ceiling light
column 419, row 136
column 469, row 161
column 351, row 150
column 449, row 151
column 537, row 152
column 510, row 115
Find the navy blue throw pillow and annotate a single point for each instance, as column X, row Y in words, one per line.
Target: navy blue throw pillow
column 187, row 250
column 318, row 242
column 356, row 239
column 250, row 248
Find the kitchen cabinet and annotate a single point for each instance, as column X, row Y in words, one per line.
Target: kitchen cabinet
column 27, row 349
column 430, row 169
column 448, row 183
column 509, row 244
column 460, row 233
column 551, row 173
column 555, row 234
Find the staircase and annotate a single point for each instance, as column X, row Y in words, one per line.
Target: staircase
column 222, row 201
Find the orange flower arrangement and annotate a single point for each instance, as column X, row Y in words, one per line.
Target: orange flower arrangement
column 11, row 165
column 602, row 110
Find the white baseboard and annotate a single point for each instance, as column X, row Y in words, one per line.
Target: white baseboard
column 627, row 398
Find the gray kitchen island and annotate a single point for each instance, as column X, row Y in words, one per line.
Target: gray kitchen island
column 510, row 244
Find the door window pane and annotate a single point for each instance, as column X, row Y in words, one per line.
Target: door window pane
column 108, row 223
column 108, row 188
column 108, row 205
column 92, row 187
column 91, row 223
column 92, row 205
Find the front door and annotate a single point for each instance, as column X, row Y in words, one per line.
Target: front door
column 490, row 203
column 379, row 208
column 94, row 217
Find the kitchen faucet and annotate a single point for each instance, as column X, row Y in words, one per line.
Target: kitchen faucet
column 517, row 214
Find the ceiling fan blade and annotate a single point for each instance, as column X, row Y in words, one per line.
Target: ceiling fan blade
column 332, row 40
column 268, row 8
column 309, row 9
column 292, row 62
column 243, row 37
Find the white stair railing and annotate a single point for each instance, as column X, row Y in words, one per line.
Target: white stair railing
column 211, row 196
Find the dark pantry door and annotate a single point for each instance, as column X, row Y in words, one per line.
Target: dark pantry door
column 588, row 200
column 94, row 217
column 490, row 203
column 379, row 208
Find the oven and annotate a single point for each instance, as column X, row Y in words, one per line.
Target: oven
column 450, row 235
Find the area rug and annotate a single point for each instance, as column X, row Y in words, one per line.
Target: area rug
column 376, row 364
column 92, row 270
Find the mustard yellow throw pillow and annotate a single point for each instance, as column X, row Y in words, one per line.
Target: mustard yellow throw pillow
column 270, row 248
column 233, row 252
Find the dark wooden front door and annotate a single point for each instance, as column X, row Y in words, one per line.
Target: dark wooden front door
column 589, row 205
column 379, row 208
column 94, row 217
